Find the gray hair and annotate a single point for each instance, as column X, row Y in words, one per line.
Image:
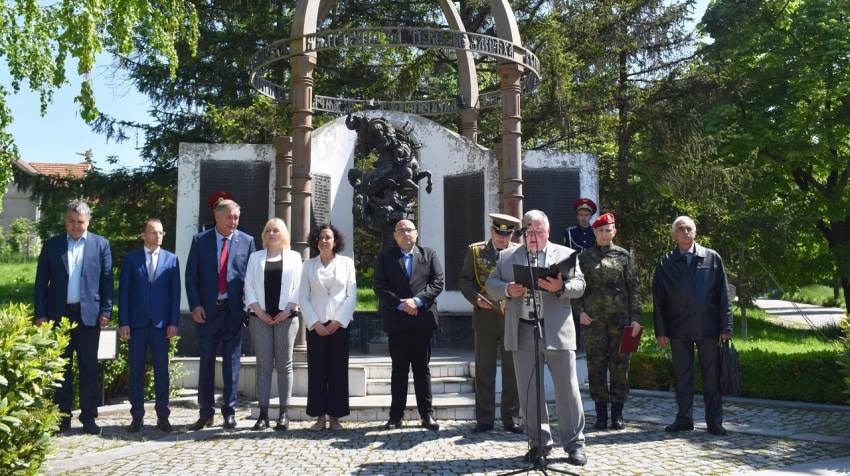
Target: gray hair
column 79, row 207
column 681, row 219
column 535, row 215
column 225, row 204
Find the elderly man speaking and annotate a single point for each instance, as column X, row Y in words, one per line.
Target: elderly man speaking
column 692, row 308
column 558, row 344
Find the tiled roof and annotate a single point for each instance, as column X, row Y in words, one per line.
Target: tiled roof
column 61, row 170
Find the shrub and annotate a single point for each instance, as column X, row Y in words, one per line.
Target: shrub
column 806, row 377
column 30, row 364
column 844, row 353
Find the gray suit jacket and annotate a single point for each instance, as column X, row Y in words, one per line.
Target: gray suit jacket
column 558, row 317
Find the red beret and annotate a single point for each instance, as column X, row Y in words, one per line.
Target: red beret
column 219, row 196
column 585, row 203
column 605, row 219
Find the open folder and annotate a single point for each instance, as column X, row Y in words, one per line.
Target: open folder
column 630, row 344
column 567, row 268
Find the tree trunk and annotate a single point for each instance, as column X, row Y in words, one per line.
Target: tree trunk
column 623, row 139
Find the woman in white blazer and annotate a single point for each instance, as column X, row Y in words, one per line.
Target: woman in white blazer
column 328, row 296
column 272, row 284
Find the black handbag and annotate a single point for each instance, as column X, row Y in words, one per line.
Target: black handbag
column 730, row 371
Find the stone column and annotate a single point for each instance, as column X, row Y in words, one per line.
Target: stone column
column 302, row 132
column 283, row 179
column 500, row 167
column 511, row 138
column 469, row 123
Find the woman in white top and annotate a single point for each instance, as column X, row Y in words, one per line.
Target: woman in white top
column 272, row 284
column 328, row 296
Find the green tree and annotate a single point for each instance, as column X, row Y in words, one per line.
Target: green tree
column 784, row 108
column 38, row 38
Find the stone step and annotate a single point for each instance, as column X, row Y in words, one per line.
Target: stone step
column 439, row 385
column 383, row 370
column 459, row 406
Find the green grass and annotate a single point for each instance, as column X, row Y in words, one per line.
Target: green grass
column 818, row 295
column 366, row 299
column 17, row 282
column 765, row 333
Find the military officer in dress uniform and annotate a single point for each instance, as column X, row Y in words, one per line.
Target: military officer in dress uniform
column 580, row 237
column 610, row 302
column 488, row 321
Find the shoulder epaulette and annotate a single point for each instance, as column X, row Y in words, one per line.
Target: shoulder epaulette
column 478, row 243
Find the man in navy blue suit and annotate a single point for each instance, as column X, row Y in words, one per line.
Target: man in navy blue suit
column 149, row 304
column 215, row 277
column 74, row 280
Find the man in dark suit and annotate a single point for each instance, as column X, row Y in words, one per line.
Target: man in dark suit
column 488, row 322
column 692, row 308
column 407, row 281
column 149, row 303
column 215, row 277
column 74, row 280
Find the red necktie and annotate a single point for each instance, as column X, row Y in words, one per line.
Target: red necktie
column 222, row 268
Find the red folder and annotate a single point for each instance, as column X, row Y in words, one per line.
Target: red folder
column 630, row 344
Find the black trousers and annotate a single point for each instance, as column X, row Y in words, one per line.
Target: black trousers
column 683, row 369
column 84, row 341
column 410, row 348
column 327, row 374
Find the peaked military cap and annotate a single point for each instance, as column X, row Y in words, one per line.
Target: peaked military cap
column 584, row 204
column 219, row 196
column 504, row 224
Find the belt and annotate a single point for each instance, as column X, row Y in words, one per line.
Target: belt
column 530, row 322
column 73, row 307
column 221, row 302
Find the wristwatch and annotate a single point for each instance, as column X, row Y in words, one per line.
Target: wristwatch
column 288, row 309
column 561, row 292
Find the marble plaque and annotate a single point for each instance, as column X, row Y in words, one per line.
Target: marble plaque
column 247, row 182
column 463, row 221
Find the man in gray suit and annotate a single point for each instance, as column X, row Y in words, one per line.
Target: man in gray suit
column 558, row 344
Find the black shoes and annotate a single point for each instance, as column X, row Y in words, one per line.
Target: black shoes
column 577, row 457
column 601, row 416
column 230, row 422
column 262, row 420
column 393, row 423
column 202, row 423
column 514, row 428
column 679, row 425
column 64, row 424
column 717, row 430
column 136, row 425
column 430, row 423
column 90, row 427
column 617, row 422
column 482, row 428
column 282, row 422
column 163, row 424
column 533, row 453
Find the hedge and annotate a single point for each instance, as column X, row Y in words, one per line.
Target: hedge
column 806, row 377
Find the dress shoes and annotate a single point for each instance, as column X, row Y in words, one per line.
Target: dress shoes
column 90, row 427
column 230, row 422
column 577, row 457
column 393, row 424
column 163, row 424
column 514, row 428
column 717, row 430
column 136, row 425
column 533, row 453
column 482, row 428
column 64, row 424
column 202, row 423
column 679, row 425
column 282, row 422
column 430, row 423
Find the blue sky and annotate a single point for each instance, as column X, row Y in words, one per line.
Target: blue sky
column 61, row 133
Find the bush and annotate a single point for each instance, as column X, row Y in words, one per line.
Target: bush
column 806, row 377
column 30, row 364
column 844, row 353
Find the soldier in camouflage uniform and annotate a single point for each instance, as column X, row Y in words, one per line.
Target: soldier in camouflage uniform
column 610, row 302
column 488, row 322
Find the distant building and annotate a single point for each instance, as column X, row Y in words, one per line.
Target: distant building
column 17, row 203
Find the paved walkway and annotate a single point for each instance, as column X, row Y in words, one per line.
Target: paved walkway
column 783, row 437
column 796, row 313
